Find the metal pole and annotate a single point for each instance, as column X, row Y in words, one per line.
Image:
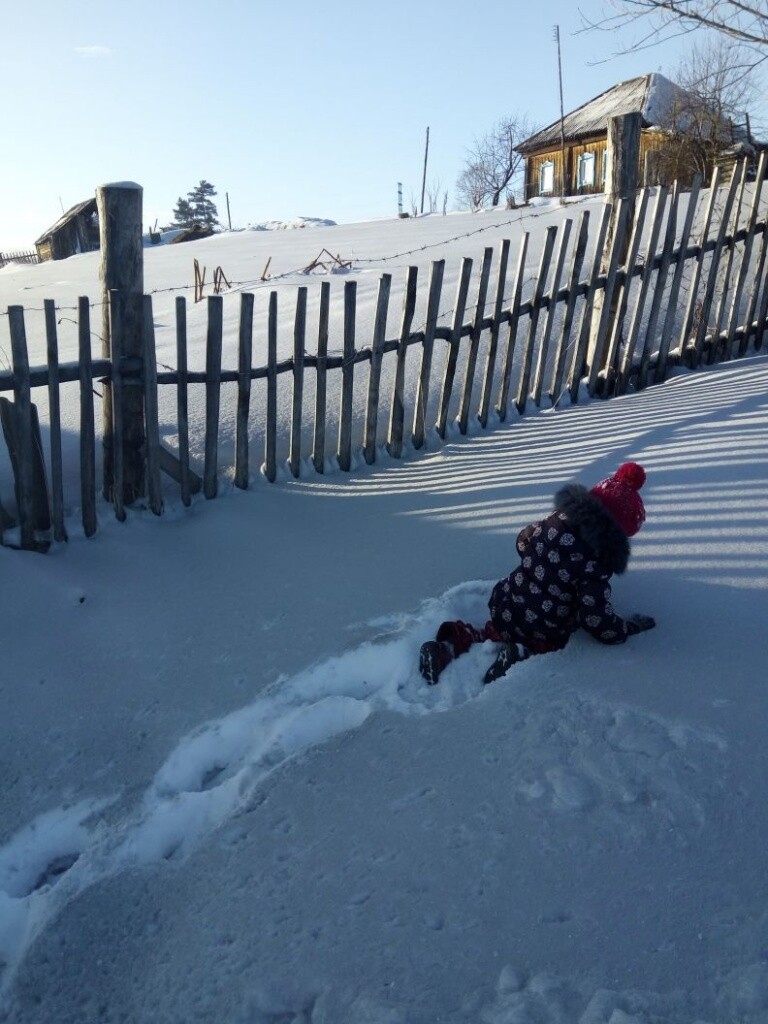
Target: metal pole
column 424, row 177
column 229, row 216
column 562, row 116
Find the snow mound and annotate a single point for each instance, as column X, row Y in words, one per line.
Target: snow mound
column 289, row 225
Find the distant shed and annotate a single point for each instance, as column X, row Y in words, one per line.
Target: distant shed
column 75, row 231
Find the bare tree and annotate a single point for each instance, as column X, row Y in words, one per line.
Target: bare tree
column 493, row 164
column 433, row 194
column 707, row 113
column 743, row 21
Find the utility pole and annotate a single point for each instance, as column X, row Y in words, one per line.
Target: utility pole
column 229, row 216
column 562, row 114
column 400, row 199
column 424, row 176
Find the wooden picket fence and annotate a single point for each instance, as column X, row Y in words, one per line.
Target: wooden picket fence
column 589, row 320
column 25, row 256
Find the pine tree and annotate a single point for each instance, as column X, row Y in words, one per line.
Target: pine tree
column 183, row 217
column 203, row 207
column 198, row 209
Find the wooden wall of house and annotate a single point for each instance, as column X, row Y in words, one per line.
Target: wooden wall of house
column 649, row 142
column 77, row 235
column 533, row 169
column 44, row 249
column 597, row 146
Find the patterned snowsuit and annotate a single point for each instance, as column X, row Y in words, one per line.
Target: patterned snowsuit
column 561, row 584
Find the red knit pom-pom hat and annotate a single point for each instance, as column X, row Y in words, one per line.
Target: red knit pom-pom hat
column 618, row 493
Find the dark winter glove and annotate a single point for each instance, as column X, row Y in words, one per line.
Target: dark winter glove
column 639, row 623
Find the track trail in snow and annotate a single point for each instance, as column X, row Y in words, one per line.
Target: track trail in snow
column 576, row 756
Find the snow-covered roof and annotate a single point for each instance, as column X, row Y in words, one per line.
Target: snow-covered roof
column 652, row 96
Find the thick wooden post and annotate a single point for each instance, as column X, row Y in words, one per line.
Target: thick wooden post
column 119, row 208
column 621, row 182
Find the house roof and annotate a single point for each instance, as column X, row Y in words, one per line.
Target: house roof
column 78, row 208
column 652, row 96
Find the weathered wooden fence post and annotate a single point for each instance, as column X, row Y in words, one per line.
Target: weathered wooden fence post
column 621, row 179
column 119, row 208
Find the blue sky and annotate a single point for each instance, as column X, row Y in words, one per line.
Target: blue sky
column 299, row 108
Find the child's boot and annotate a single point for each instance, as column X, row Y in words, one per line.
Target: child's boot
column 434, row 656
column 508, row 656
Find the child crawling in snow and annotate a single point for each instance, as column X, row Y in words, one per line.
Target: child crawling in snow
column 561, row 583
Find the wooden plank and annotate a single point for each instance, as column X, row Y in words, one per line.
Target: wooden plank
column 725, row 278
column 693, row 291
column 397, row 409
column 662, row 360
column 171, row 465
column 700, row 337
column 54, row 416
column 658, row 293
column 622, row 301
column 621, row 185
column 493, row 341
column 318, row 444
column 762, row 312
column 182, row 399
column 299, row 339
column 115, row 443
column 87, row 428
column 25, row 492
column 582, row 344
column 744, row 268
column 452, row 355
column 119, row 208
column 514, row 318
column 8, row 421
column 344, row 452
column 601, row 334
column 758, row 279
column 151, row 411
column 39, row 509
column 270, row 434
column 574, row 276
column 630, row 342
column 212, row 394
column 374, row 379
column 543, row 353
column 536, row 304
column 474, row 340
column 244, row 361
column 422, row 392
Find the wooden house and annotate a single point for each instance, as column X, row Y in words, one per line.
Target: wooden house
column 75, row 231
column 576, row 147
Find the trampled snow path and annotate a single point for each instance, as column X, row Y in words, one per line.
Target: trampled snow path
column 635, row 774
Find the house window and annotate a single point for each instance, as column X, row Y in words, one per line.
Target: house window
column 586, row 172
column 547, row 177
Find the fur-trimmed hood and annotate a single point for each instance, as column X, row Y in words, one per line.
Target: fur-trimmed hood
column 595, row 525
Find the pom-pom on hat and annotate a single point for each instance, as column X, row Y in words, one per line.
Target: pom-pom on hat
column 618, row 493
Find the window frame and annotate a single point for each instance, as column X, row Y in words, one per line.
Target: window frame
column 587, row 159
column 544, row 167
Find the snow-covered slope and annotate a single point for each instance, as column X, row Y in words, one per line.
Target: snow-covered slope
column 228, row 796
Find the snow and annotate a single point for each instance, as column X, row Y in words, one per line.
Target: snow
column 228, row 795
column 288, row 225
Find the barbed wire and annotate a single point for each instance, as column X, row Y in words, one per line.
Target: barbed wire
column 522, row 214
